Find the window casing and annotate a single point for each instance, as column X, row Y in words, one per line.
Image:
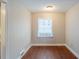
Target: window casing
column 45, row 27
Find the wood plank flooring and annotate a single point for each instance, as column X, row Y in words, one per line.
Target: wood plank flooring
column 48, row 52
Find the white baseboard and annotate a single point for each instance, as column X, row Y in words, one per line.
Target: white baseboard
column 72, row 51
column 48, row 44
column 24, row 52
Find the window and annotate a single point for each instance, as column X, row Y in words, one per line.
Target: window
column 45, row 27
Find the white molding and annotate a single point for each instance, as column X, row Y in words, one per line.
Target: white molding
column 72, row 51
column 48, row 44
column 20, row 57
column 26, row 50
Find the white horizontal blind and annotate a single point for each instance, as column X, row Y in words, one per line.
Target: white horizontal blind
column 45, row 27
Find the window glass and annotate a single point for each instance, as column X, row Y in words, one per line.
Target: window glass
column 45, row 27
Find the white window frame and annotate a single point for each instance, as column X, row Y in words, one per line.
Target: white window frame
column 42, row 32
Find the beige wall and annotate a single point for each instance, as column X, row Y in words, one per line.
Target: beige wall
column 72, row 28
column 18, row 29
column 58, row 28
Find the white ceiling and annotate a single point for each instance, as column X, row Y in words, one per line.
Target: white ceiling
column 59, row 5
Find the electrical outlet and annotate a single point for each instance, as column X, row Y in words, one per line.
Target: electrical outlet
column 22, row 51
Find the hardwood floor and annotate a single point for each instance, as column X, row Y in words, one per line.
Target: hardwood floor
column 48, row 52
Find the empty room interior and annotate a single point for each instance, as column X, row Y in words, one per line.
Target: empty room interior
column 39, row 29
